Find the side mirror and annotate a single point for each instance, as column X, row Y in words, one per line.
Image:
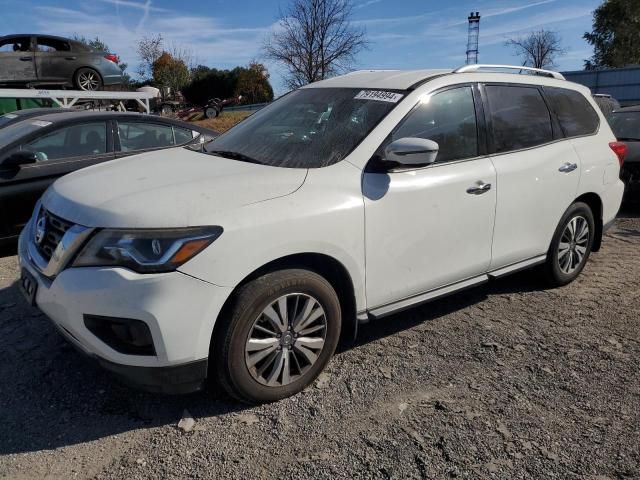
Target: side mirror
column 412, row 151
column 21, row 157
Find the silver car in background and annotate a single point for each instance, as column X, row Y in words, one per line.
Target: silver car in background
column 31, row 59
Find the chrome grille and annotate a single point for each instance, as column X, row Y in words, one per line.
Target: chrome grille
column 55, row 228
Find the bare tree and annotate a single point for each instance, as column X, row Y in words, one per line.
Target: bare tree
column 539, row 49
column 316, row 40
column 149, row 50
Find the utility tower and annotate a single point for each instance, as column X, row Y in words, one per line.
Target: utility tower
column 472, row 41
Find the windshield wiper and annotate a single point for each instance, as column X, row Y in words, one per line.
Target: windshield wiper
column 235, row 156
column 628, row 139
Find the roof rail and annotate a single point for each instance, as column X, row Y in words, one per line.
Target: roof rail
column 536, row 71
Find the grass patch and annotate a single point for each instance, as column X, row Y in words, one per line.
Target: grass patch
column 224, row 121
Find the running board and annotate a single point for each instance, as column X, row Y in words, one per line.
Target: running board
column 516, row 267
column 416, row 300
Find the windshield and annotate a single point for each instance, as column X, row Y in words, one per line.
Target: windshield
column 308, row 128
column 16, row 130
column 625, row 125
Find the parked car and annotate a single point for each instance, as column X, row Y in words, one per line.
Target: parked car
column 37, row 150
column 19, row 115
column 606, row 103
column 348, row 199
column 625, row 123
column 34, row 59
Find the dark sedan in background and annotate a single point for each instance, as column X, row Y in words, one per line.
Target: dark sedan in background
column 37, row 150
column 31, row 59
column 625, row 123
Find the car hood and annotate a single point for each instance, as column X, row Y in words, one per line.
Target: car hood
column 167, row 188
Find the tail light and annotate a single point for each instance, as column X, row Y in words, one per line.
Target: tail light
column 620, row 149
column 112, row 57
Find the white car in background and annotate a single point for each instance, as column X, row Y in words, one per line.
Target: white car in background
column 349, row 199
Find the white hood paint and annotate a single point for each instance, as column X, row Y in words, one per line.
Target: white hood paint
column 167, row 188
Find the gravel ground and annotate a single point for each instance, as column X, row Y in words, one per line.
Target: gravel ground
column 508, row 380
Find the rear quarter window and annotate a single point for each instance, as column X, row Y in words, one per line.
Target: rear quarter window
column 576, row 115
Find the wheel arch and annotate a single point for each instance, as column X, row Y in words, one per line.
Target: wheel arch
column 322, row 264
column 75, row 74
column 594, row 202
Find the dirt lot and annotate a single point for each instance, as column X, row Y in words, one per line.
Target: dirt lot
column 223, row 122
column 505, row 381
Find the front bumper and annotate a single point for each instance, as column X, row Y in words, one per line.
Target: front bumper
column 179, row 310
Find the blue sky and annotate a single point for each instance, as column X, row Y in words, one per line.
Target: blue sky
column 224, row 33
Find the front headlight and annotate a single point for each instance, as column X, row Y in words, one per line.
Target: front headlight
column 146, row 250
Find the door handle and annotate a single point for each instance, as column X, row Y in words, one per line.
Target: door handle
column 70, row 58
column 479, row 188
column 26, row 59
column 568, row 167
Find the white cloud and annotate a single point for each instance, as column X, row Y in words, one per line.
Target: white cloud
column 123, row 22
column 366, row 4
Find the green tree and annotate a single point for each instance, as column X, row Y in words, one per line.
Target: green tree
column 253, row 85
column 170, row 72
column 616, row 34
column 252, row 82
column 98, row 44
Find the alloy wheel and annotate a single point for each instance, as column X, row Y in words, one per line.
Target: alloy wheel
column 286, row 339
column 573, row 245
column 88, row 81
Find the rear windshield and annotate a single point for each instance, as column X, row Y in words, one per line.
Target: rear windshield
column 308, row 128
column 625, row 125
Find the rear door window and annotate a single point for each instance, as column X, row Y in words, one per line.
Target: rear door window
column 52, row 45
column 519, row 117
column 77, row 140
column 144, row 136
column 577, row 117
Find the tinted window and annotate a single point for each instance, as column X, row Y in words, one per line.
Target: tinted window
column 15, row 44
column 182, row 135
column 307, row 128
column 577, row 117
column 141, row 136
column 77, row 140
column 52, row 45
column 519, row 117
column 448, row 118
column 625, row 125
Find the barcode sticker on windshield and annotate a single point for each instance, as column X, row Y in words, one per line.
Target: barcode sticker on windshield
column 379, row 95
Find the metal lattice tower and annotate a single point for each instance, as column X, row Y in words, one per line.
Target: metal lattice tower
column 472, row 41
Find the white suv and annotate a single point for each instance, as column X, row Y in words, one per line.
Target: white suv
column 349, row 199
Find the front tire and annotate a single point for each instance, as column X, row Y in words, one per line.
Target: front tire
column 571, row 245
column 277, row 336
column 211, row 112
column 88, row 79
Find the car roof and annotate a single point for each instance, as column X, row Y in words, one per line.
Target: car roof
column 385, row 79
column 42, row 35
column 93, row 115
column 35, row 111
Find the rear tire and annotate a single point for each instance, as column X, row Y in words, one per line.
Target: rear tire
column 87, row 79
column 261, row 354
column 571, row 245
